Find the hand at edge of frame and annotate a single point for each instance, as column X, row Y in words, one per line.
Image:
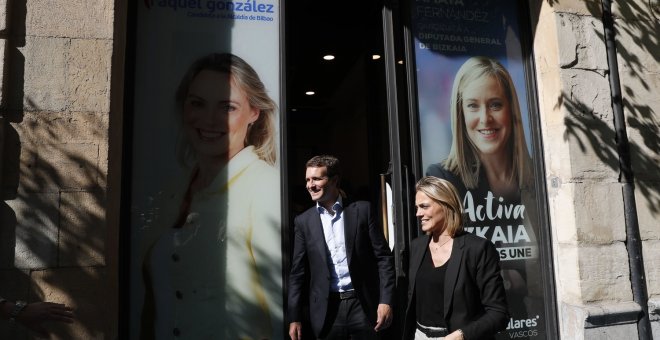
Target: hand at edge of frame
column 384, row 317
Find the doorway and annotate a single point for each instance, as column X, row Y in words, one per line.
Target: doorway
column 335, row 95
column 335, row 103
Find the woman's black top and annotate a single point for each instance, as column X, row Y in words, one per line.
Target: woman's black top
column 429, row 291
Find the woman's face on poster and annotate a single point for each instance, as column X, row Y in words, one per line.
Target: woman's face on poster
column 216, row 114
column 487, row 113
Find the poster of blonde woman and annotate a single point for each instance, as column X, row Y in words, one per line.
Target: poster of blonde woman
column 206, row 249
column 475, row 133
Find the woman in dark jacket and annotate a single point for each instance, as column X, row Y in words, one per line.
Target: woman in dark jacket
column 455, row 288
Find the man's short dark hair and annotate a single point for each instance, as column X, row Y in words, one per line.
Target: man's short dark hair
column 331, row 163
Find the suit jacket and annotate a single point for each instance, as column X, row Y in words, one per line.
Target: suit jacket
column 474, row 297
column 370, row 264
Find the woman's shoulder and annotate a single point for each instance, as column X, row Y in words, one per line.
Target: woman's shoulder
column 471, row 240
column 248, row 159
column 263, row 171
column 478, row 246
column 436, row 169
column 261, row 165
column 420, row 240
column 263, row 180
column 439, row 170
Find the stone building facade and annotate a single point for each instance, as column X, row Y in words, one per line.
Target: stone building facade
column 586, row 200
column 57, row 66
column 62, row 74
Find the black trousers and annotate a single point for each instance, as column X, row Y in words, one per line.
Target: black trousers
column 346, row 319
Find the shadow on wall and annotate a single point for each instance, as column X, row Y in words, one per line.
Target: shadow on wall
column 637, row 22
column 270, row 280
column 641, row 119
column 52, row 223
column 593, row 133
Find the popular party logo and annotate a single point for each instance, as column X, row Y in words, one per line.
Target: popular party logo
column 522, row 328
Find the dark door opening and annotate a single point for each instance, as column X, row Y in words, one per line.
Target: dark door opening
column 346, row 115
column 352, row 113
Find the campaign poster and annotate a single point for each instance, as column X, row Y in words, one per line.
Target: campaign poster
column 475, row 132
column 205, row 228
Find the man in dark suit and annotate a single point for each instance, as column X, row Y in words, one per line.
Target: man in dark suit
column 349, row 266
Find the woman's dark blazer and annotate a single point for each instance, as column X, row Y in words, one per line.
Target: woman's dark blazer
column 474, row 297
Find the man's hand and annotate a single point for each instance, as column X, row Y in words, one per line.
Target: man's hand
column 37, row 313
column 295, row 330
column 384, row 318
column 455, row 335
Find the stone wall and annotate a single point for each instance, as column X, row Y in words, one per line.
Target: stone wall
column 586, row 207
column 56, row 107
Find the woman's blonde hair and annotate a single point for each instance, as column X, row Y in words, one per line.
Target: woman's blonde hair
column 444, row 193
column 261, row 134
column 463, row 157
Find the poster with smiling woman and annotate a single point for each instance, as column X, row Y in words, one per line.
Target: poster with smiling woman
column 206, row 251
column 474, row 132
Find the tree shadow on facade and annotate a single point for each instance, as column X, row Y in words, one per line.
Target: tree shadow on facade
column 271, row 281
column 595, row 134
column 53, row 226
column 53, row 185
column 638, row 24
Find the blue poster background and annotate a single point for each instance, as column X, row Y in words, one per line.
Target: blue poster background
column 446, row 34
